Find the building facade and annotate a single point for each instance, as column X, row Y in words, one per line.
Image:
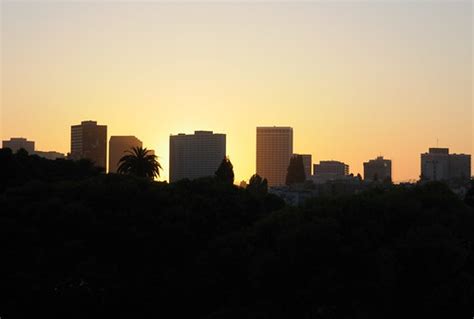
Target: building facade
column 274, row 151
column 307, row 163
column 50, row 155
column 118, row 146
column 329, row 170
column 17, row 143
column 89, row 141
column 378, row 169
column 439, row 165
column 196, row 155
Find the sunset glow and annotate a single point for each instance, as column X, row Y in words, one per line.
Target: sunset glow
column 353, row 79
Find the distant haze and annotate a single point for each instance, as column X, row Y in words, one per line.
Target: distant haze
column 354, row 79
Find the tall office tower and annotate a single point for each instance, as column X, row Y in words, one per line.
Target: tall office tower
column 274, row 151
column 118, row 146
column 330, row 169
column 196, row 155
column 17, row 143
column 89, row 141
column 378, row 169
column 439, row 165
column 307, row 163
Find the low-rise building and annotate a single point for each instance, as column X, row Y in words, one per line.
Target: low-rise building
column 378, row 169
column 439, row 165
column 17, row 143
column 51, row 155
column 329, row 170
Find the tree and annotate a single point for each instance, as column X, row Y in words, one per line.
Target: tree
column 225, row 172
column 296, row 172
column 257, row 186
column 469, row 198
column 139, row 162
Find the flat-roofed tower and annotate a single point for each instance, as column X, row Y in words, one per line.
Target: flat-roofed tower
column 89, row 141
column 274, row 151
column 196, row 155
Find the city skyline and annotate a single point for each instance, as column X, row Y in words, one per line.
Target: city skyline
column 398, row 90
column 199, row 154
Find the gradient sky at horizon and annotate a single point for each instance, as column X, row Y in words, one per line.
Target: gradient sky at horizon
column 354, row 79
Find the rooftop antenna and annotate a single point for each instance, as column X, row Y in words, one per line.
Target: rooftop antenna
column 437, row 142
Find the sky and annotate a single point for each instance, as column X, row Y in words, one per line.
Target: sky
column 355, row 79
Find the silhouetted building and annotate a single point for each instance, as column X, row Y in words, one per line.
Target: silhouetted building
column 274, row 151
column 459, row 166
column 17, row 143
column 118, row 146
column 329, row 170
column 196, row 155
column 308, row 164
column 378, row 169
column 439, row 165
column 51, row 155
column 89, row 141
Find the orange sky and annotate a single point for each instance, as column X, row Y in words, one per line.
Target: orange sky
column 354, row 79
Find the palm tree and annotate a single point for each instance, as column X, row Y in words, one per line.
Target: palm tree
column 139, row 162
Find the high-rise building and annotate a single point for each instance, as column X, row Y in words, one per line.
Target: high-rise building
column 89, row 141
column 378, row 169
column 274, row 151
column 17, row 143
column 307, row 163
column 196, row 155
column 439, row 165
column 328, row 170
column 118, row 146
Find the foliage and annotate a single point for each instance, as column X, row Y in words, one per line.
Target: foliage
column 257, row 186
column 139, row 162
column 19, row 168
column 225, row 172
column 295, row 174
column 126, row 247
column 469, row 199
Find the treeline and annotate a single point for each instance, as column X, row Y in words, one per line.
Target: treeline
column 111, row 246
column 18, row 168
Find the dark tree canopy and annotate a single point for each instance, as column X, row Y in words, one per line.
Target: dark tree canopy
column 20, row 168
column 258, row 186
column 139, row 162
column 225, row 172
column 295, row 174
column 80, row 244
column 469, row 199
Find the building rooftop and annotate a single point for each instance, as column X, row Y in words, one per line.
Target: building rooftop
column 203, row 132
column 274, row 127
column 438, row 150
column 198, row 133
column 331, row 162
column 123, row 137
